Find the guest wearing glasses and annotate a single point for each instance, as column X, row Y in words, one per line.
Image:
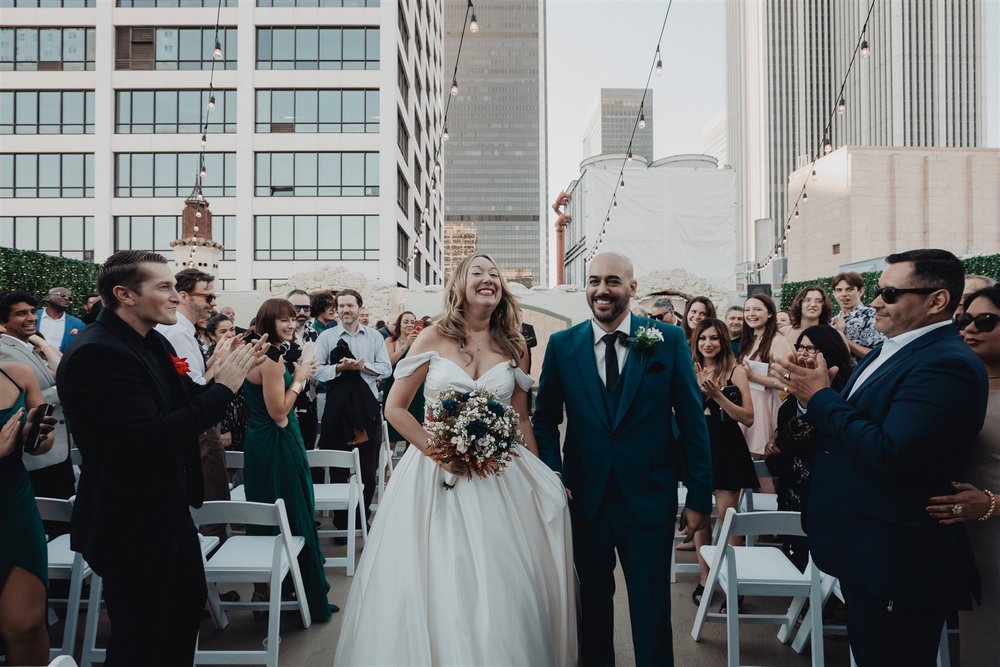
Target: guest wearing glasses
column 55, row 324
column 663, row 310
column 973, row 283
column 696, row 310
column 904, row 426
column 810, row 307
column 306, row 405
column 977, row 494
column 790, row 457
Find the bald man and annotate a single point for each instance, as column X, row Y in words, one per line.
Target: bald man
column 619, row 460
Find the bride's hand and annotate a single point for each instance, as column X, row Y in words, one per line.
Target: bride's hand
column 457, row 468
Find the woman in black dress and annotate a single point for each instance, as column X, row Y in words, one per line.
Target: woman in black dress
column 790, row 457
column 727, row 405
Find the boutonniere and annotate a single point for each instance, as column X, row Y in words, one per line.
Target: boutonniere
column 646, row 338
column 73, row 332
column 180, row 365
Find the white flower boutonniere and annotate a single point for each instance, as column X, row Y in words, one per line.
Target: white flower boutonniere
column 646, row 338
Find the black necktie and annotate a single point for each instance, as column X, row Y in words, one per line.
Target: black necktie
column 610, row 359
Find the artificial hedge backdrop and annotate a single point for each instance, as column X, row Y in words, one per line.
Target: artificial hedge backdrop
column 983, row 265
column 37, row 273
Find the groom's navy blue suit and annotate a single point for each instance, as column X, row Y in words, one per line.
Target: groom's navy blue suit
column 620, row 460
column 899, row 439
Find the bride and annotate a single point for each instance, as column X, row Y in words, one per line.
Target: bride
column 481, row 574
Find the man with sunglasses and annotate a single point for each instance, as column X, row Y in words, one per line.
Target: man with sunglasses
column 55, row 324
column 901, row 430
column 197, row 301
column 663, row 310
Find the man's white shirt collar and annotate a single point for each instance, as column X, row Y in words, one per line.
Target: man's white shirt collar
column 599, row 333
column 900, row 341
column 46, row 316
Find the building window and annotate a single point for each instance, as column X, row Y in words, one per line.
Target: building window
column 404, row 30
column 402, row 247
column 402, row 138
column 402, row 191
column 177, row 3
column 142, row 48
column 317, row 3
column 47, row 3
column 303, row 110
column 836, row 248
column 46, row 175
column 173, row 111
column 47, row 112
column 318, row 48
column 71, row 237
column 316, row 237
column 317, row 175
column 416, row 267
column 173, row 174
column 265, row 284
column 47, row 49
column 402, row 83
column 147, row 232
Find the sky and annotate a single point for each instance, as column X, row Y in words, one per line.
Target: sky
column 611, row 44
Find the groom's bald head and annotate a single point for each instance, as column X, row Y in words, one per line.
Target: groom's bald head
column 615, row 263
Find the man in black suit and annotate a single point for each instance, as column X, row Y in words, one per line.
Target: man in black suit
column 136, row 416
column 901, row 430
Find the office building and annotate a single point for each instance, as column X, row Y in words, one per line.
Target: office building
column 612, row 120
column 495, row 170
column 318, row 148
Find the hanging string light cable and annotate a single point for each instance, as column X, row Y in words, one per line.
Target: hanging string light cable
column 656, row 66
column 217, row 55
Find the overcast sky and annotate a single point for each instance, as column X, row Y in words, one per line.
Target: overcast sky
column 610, row 44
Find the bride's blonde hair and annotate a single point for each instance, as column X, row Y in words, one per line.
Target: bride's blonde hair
column 505, row 321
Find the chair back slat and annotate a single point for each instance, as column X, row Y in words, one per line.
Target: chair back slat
column 766, row 523
column 236, row 511
column 332, row 458
column 55, row 509
column 234, row 460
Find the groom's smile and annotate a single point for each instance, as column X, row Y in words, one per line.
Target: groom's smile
column 610, row 287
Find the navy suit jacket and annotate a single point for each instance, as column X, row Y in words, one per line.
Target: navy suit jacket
column 901, row 438
column 636, row 443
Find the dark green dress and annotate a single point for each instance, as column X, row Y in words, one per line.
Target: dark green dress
column 416, row 405
column 23, row 539
column 276, row 467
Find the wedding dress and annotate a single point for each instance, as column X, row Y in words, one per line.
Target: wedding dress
column 478, row 575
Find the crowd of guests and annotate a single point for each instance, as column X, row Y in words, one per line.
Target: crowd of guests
column 327, row 385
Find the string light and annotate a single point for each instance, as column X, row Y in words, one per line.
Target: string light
column 827, row 145
column 622, row 184
column 841, row 106
column 217, row 53
column 614, row 203
column 659, row 61
column 211, row 103
column 444, row 135
column 454, row 86
column 473, row 24
column 814, row 174
column 642, row 119
column 204, row 140
column 865, row 50
column 629, row 155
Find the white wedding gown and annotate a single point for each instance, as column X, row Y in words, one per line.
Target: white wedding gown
column 478, row 575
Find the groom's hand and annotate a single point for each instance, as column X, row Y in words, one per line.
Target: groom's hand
column 691, row 522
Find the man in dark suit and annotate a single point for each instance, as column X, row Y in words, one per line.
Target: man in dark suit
column 899, row 433
column 136, row 416
column 619, row 461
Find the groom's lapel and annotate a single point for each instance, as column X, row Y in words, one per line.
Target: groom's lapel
column 583, row 352
column 635, row 366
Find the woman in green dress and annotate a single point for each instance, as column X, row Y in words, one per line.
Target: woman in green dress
column 275, row 463
column 398, row 344
column 23, row 553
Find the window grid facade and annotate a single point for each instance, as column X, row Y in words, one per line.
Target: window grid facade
column 155, row 232
column 318, row 48
column 318, row 111
column 47, row 112
column 68, row 236
column 47, row 49
column 173, row 111
column 145, row 48
column 317, row 175
column 44, row 175
column 173, row 174
column 316, row 237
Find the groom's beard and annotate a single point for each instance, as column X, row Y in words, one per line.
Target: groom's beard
column 617, row 308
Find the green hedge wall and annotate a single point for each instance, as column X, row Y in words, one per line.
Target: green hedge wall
column 983, row 265
column 37, row 273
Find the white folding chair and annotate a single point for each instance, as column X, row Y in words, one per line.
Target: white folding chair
column 63, row 661
column 253, row 559
column 384, row 466
column 758, row 571
column 347, row 496
column 235, row 460
column 66, row 565
column 683, row 568
column 91, row 653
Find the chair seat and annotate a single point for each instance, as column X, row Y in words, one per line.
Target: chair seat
column 61, row 558
column 243, row 557
column 765, row 502
column 331, row 494
column 760, row 566
column 238, row 493
column 208, row 542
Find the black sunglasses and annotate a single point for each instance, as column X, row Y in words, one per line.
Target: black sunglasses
column 657, row 317
column 985, row 322
column 892, row 294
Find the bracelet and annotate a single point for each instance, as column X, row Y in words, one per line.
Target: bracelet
column 993, row 505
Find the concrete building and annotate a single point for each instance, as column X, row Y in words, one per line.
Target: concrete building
column 713, row 139
column 612, row 120
column 319, row 149
column 921, row 85
column 495, row 172
column 459, row 243
column 868, row 202
column 674, row 214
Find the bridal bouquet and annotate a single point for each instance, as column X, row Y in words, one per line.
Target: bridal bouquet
column 475, row 428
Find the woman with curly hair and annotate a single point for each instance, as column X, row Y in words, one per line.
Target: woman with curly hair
column 445, row 565
column 810, row 307
column 696, row 310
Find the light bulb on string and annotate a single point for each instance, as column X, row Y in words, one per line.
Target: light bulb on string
column 433, row 186
column 642, row 119
column 814, row 174
column 841, row 106
column 622, row 184
column 865, row 50
column 454, row 86
column 796, row 215
column 444, row 135
column 805, row 197
column 630, row 155
column 211, row 103
column 437, row 167
column 827, row 145
column 614, row 203
column 204, row 140
column 197, row 214
column 196, row 228
column 217, row 53
column 659, row 61
column 203, row 172
column 473, row 24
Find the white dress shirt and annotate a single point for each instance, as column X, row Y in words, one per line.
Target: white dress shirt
column 52, row 329
column 183, row 337
column 600, row 349
column 366, row 343
column 890, row 347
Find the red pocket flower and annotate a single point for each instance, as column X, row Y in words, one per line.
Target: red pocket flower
column 180, row 365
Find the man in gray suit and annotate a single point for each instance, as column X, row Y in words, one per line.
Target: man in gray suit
column 51, row 473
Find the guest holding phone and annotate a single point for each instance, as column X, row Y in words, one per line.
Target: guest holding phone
column 276, row 465
column 23, row 555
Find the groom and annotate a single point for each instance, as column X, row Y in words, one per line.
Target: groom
column 620, row 459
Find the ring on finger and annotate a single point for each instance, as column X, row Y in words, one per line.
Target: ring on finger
column 956, row 509
column 786, row 389
column 788, row 376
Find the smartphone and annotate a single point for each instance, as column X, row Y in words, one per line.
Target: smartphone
column 35, row 429
column 250, row 336
column 419, row 326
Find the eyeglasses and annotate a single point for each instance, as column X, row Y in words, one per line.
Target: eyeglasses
column 210, row 298
column 807, row 349
column 892, row 294
column 985, row 322
column 657, row 317
column 302, row 309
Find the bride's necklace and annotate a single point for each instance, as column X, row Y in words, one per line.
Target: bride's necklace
column 482, row 340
